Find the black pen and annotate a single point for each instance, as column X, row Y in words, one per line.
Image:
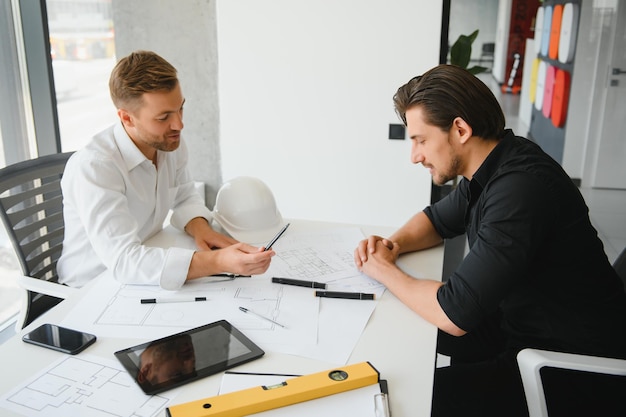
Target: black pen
column 248, row 311
column 299, row 282
column 275, row 238
column 171, row 300
column 228, row 275
column 346, row 295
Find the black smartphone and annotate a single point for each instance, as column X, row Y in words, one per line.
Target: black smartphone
column 59, row 338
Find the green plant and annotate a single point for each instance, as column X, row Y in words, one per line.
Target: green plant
column 461, row 52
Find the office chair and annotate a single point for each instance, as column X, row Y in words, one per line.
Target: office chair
column 486, row 53
column 31, row 208
column 531, row 361
column 620, row 266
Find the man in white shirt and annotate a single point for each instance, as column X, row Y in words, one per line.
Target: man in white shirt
column 118, row 190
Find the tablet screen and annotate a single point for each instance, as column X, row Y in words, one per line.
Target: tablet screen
column 183, row 357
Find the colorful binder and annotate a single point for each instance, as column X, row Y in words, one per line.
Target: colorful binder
column 569, row 28
column 548, row 92
column 555, row 32
column 560, row 98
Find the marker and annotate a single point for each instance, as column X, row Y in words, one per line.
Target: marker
column 232, row 276
column 275, row 238
column 346, row 295
column 245, row 310
column 299, row 282
column 171, row 300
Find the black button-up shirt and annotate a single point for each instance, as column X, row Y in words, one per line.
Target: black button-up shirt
column 533, row 255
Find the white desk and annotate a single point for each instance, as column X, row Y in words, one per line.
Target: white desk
column 400, row 344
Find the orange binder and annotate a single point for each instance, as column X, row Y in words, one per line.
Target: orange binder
column 555, row 32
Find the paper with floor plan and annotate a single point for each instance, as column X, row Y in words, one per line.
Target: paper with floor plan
column 325, row 329
column 86, row 386
column 325, row 256
column 112, row 309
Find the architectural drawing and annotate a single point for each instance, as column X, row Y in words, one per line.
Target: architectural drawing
column 84, row 386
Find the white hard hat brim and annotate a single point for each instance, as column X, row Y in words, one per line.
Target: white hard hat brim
column 253, row 237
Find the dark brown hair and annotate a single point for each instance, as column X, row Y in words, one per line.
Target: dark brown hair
column 446, row 92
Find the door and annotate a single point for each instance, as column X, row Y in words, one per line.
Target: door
column 610, row 167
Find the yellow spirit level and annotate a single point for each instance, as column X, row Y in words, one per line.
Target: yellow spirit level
column 291, row 391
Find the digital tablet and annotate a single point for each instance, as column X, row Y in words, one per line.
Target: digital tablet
column 183, row 357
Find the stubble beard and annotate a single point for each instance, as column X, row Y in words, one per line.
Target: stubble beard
column 449, row 174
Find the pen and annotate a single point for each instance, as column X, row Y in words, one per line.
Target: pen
column 228, row 275
column 171, row 300
column 275, row 238
column 245, row 310
column 346, row 295
column 299, row 282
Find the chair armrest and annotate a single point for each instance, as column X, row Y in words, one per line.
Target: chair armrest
column 46, row 287
column 530, row 362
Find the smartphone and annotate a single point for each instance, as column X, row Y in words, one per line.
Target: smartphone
column 59, row 338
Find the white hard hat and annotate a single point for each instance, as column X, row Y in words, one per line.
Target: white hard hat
column 246, row 209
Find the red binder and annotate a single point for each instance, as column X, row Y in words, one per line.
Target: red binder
column 560, row 98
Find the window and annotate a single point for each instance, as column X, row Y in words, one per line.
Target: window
column 83, row 55
column 16, row 127
column 81, row 48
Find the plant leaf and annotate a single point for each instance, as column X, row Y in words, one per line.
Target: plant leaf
column 461, row 51
column 476, row 69
column 473, row 36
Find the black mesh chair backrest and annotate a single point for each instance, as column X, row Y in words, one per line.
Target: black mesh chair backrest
column 620, row 266
column 31, row 208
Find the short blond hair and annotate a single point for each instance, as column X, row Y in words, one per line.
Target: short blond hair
column 138, row 73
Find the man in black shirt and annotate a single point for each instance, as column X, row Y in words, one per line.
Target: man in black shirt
column 536, row 274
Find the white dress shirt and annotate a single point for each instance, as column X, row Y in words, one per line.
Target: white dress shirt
column 114, row 198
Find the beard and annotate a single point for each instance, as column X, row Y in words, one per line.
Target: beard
column 166, row 145
column 450, row 173
column 161, row 143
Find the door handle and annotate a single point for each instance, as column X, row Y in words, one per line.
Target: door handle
column 618, row 71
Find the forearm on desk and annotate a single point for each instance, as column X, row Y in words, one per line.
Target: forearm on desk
column 416, row 234
column 420, row 295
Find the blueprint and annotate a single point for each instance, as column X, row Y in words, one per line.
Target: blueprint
column 325, row 256
column 325, row 329
column 86, row 386
column 113, row 309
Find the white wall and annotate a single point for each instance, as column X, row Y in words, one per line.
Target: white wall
column 468, row 15
column 502, row 40
column 135, row 28
column 305, row 93
column 588, row 91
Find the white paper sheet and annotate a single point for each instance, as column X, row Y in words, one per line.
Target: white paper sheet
column 357, row 402
column 111, row 309
column 324, row 329
column 86, row 386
